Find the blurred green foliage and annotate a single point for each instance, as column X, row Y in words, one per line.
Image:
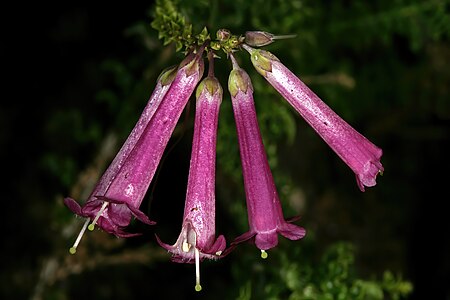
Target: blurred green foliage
column 332, row 277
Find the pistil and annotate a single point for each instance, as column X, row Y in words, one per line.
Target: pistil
column 198, row 287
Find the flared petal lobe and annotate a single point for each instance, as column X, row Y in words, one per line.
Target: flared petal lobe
column 265, row 214
column 361, row 155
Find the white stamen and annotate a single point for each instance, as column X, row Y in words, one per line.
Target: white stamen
column 218, row 253
column 102, row 209
column 73, row 249
column 198, row 287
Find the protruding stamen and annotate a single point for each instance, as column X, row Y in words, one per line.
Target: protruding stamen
column 102, row 209
column 218, row 253
column 198, row 287
column 73, row 249
column 264, row 254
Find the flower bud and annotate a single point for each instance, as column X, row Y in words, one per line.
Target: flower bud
column 262, row 38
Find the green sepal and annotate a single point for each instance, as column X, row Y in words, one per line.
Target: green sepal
column 211, row 84
column 191, row 63
column 203, row 36
column 168, row 75
column 238, row 81
column 262, row 60
column 215, row 45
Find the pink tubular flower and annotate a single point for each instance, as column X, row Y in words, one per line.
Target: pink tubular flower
column 265, row 215
column 354, row 149
column 197, row 238
column 121, row 189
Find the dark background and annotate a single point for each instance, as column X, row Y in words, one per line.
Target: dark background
column 75, row 74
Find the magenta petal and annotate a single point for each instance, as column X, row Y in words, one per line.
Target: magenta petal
column 123, row 234
column 113, row 229
column 73, row 206
column 178, row 256
column 140, row 215
column 293, row 219
column 369, row 174
column 119, row 213
column 162, row 244
column 266, row 240
column 110, row 200
column 292, row 232
column 91, row 208
column 218, row 246
column 243, row 237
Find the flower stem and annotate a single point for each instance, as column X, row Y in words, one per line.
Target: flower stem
column 234, row 62
column 211, row 64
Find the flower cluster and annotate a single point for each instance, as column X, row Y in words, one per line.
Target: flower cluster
column 119, row 193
